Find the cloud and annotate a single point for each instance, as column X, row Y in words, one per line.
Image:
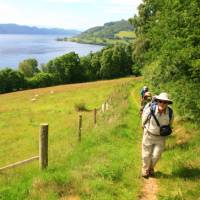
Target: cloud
column 70, row 1
column 7, row 10
column 118, row 10
column 121, row 7
column 125, row 2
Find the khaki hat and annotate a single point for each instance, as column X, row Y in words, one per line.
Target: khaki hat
column 147, row 94
column 164, row 97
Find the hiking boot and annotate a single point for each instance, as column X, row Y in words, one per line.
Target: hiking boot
column 151, row 172
column 145, row 174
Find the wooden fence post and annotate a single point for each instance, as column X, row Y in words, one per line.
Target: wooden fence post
column 79, row 128
column 107, row 106
column 43, row 146
column 95, row 116
column 102, row 108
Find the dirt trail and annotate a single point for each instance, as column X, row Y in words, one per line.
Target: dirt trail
column 150, row 188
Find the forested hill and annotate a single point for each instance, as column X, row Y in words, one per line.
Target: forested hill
column 19, row 29
column 110, row 32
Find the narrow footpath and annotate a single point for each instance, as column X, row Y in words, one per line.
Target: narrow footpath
column 150, row 188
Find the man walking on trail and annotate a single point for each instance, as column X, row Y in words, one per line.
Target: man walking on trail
column 156, row 121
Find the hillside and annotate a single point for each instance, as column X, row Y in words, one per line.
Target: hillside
column 109, row 33
column 19, row 29
column 97, row 168
column 106, row 163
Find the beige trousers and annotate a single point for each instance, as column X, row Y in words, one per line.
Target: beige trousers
column 152, row 148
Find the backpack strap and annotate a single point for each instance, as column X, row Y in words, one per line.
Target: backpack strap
column 152, row 113
column 152, row 106
column 170, row 113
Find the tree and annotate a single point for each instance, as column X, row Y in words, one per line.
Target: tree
column 41, row 79
column 11, row 80
column 29, row 67
column 96, row 64
column 116, row 61
column 168, row 44
column 66, row 68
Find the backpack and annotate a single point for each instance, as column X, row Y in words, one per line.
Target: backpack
column 153, row 109
column 165, row 130
column 152, row 106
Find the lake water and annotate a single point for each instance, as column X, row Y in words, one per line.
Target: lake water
column 15, row 48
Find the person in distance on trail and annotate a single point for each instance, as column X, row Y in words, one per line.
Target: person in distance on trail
column 156, row 121
column 144, row 89
column 147, row 98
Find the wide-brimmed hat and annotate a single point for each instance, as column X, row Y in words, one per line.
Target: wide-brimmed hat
column 147, row 94
column 164, row 97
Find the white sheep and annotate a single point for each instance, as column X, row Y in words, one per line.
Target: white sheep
column 33, row 99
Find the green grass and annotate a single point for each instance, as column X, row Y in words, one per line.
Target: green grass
column 126, row 34
column 179, row 171
column 99, row 41
column 105, row 165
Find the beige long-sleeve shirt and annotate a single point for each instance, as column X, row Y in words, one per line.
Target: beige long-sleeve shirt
column 151, row 125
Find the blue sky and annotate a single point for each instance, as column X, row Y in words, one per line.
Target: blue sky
column 68, row 14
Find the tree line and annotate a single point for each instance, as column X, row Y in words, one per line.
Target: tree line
column 167, row 50
column 110, row 62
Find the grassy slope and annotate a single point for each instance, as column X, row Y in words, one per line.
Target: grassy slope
column 105, row 165
column 179, row 171
column 124, row 37
column 126, row 34
column 99, row 41
column 108, row 34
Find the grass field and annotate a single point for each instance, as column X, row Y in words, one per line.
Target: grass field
column 106, row 164
column 179, row 170
column 101, row 167
column 126, row 34
column 103, row 41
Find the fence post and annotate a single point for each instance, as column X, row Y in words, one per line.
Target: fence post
column 102, row 108
column 107, row 106
column 95, row 116
column 43, row 146
column 79, row 128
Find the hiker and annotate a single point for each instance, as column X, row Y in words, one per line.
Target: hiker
column 144, row 89
column 147, row 98
column 156, row 121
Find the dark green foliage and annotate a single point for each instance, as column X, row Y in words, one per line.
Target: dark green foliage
column 169, row 45
column 67, row 68
column 11, row 80
column 41, row 79
column 29, row 67
column 108, row 30
column 91, row 66
column 116, row 62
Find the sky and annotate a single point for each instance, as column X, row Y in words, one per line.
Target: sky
column 67, row 14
